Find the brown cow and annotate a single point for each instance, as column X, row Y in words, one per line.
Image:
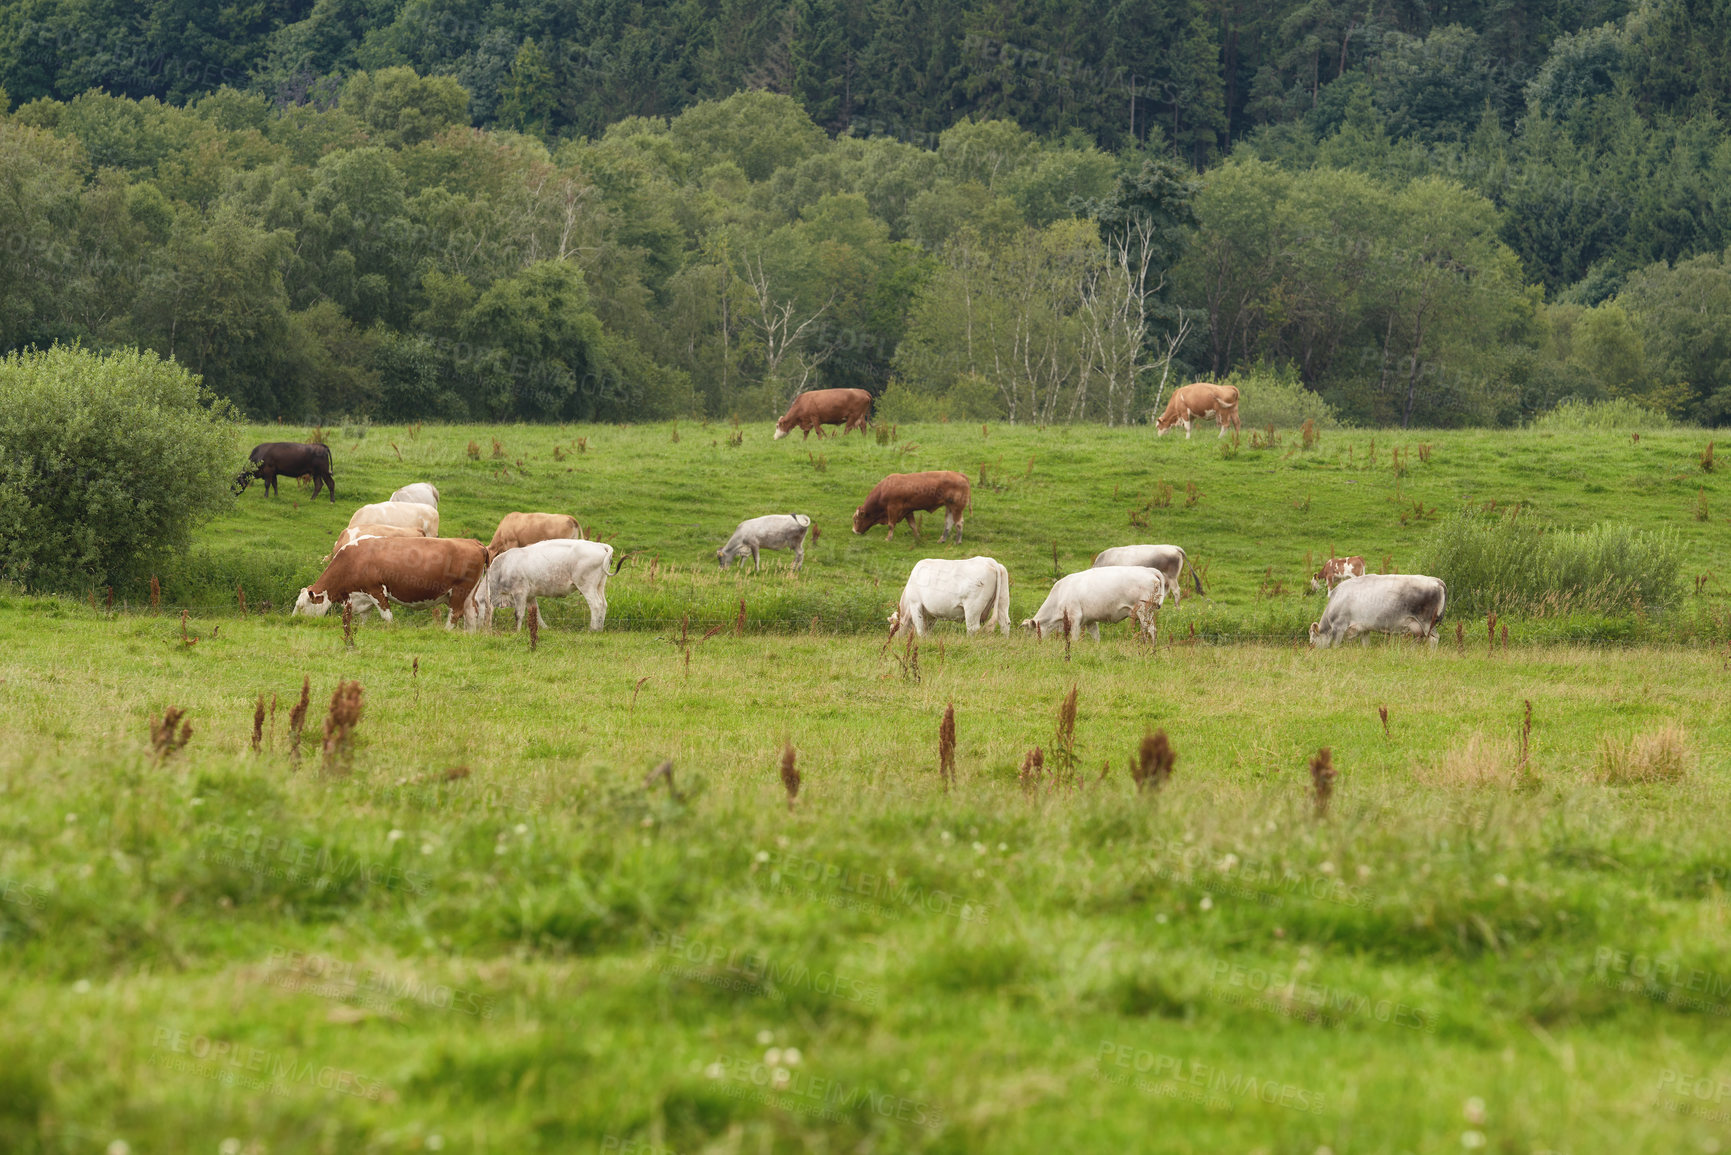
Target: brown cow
column 1334, row 571
column 517, row 529
column 360, row 532
column 1200, row 400
column 898, row 496
column 410, row 570
column 849, row 408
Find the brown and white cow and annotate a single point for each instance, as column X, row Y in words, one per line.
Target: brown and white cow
column 900, row 495
column 848, row 408
column 517, row 529
column 1334, row 571
column 1200, row 400
column 414, row 571
column 362, row 532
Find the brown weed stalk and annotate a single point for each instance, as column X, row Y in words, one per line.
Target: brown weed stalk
column 240, row 596
column 534, row 627
column 348, row 624
column 169, row 733
column 1152, row 765
column 1383, row 711
column 1064, row 744
column 258, row 724
column 340, row 723
column 947, row 746
column 1322, row 775
column 298, row 721
column 789, row 776
column 1033, row 770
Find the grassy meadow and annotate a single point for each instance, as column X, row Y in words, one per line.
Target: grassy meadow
column 476, row 928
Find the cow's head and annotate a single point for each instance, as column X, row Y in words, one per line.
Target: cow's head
column 895, row 621
column 310, row 604
column 721, row 557
column 1164, row 422
column 245, row 477
column 862, row 520
column 1316, row 638
column 782, row 427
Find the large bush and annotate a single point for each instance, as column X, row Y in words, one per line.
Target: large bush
column 107, row 462
column 1512, row 563
column 1617, row 415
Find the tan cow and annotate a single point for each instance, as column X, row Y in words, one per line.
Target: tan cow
column 516, row 529
column 362, row 532
column 1200, row 400
column 414, row 571
column 424, row 519
column 1334, row 571
column 897, row 497
column 848, row 408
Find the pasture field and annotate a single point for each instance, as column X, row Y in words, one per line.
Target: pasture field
column 481, row 931
column 1064, row 491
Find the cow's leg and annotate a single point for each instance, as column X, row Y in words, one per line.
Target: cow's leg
column 331, row 487
column 382, row 598
column 912, row 524
column 596, row 595
column 1094, row 630
column 799, row 555
column 1187, row 429
column 756, row 563
column 520, row 607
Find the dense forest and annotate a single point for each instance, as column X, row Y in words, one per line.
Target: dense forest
column 1424, row 213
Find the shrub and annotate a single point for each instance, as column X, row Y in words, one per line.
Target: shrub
column 1507, row 563
column 1281, row 400
column 107, row 462
column 1616, row 415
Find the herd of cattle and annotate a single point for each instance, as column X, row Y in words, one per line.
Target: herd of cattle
column 392, row 551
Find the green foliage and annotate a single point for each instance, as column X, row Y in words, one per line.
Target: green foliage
column 107, row 463
column 1513, row 563
column 1279, row 399
column 402, row 108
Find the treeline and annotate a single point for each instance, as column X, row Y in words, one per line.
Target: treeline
column 459, row 212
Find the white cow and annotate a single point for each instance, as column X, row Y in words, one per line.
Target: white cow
column 552, row 569
column 1394, row 603
column 1108, row 594
column 774, row 531
column 421, row 491
column 408, row 514
column 975, row 592
column 1168, row 559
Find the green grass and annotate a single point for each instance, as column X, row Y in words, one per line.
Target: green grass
column 543, row 955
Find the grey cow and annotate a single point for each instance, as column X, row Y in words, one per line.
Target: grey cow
column 774, row 531
column 1396, row 603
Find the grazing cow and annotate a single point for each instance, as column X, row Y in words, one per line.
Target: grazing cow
column 408, row 514
column 1110, row 593
column 1168, row 559
column 975, row 592
column 276, row 459
column 421, row 491
column 552, row 569
column 1200, row 400
column 414, row 571
column 364, row 532
column 1395, row 603
column 848, row 408
column 520, row 529
column 1334, row 571
column 773, row 531
column 897, row 497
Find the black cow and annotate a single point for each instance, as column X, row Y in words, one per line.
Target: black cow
column 276, row 459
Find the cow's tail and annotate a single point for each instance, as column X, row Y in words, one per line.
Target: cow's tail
column 1441, row 604
column 619, row 562
column 1001, row 602
column 1195, row 578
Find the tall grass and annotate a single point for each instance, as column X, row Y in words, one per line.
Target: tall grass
column 1510, row 563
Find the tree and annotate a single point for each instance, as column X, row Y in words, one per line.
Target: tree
column 107, row 462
